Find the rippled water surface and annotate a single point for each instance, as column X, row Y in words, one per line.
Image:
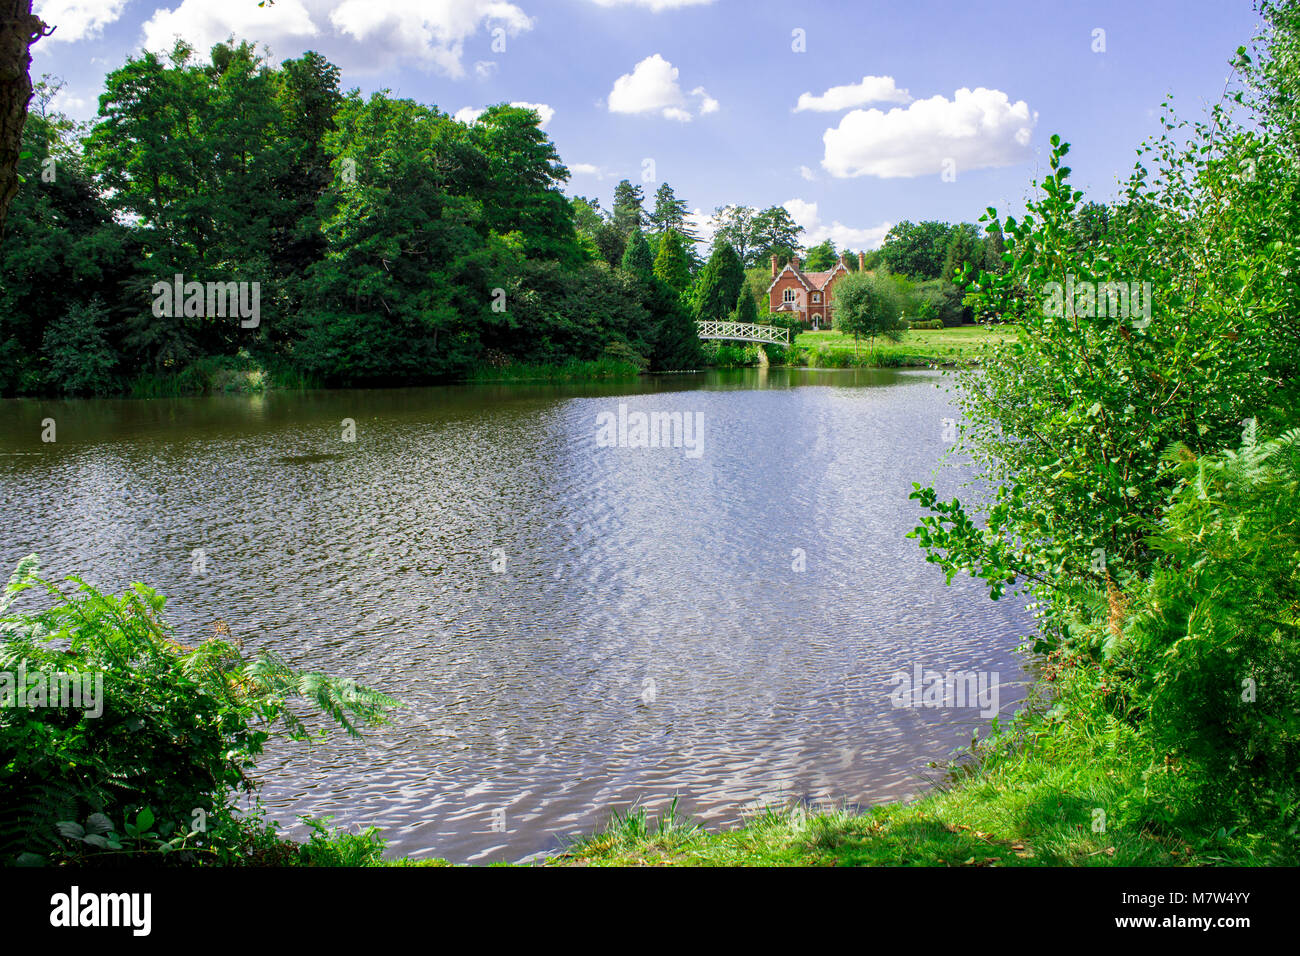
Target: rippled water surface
column 648, row 637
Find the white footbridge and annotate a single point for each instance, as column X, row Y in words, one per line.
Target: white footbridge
column 743, row 332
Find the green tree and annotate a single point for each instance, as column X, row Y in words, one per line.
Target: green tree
column 746, row 307
column 597, row 231
column 867, row 305
column 76, row 346
column 822, row 257
column 916, row 249
column 965, row 252
column 775, row 234
column 636, row 257
column 671, row 264
column 735, row 224
column 521, row 193
column 61, row 244
column 719, row 283
column 670, row 213
column 629, row 213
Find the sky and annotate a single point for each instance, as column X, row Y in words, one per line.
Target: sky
column 853, row 115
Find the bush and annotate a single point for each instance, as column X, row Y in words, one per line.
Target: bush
column 168, row 740
column 1209, row 653
column 730, row 355
column 76, row 346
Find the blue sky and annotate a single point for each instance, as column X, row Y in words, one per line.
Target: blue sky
column 913, row 109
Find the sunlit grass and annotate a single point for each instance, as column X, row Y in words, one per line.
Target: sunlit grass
column 957, row 345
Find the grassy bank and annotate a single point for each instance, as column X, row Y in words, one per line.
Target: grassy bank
column 1070, row 786
column 959, row 345
column 219, row 375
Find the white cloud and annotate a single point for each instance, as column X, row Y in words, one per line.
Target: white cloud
column 655, row 6
column 652, row 87
column 585, row 169
column 872, row 89
column 433, row 34
column 70, row 104
column 204, row 24
column 703, row 224
column 470, row 114
column 77, row 19
column 807, row 174
column 708, row 104
column 976, row 129
column 845, row 237
column 484, row 68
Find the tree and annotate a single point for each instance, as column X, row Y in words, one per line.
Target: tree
column 19, row 30
column 719, row 283
column 670, row 213
column 636, row 257
column 735, row 224
column 671, row 265
column 521, row 192
column 746, row 307
column 776, row 234
column 965, row 252
column 596, row 230
column 676, row 342
column 917, row 249
column 77, row 348
column 1091, row 221
column 62, row 247
column 821, row 257
column 628, row 212
column 993, row 248
column 867, row 306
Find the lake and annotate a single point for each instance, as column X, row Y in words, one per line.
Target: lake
column 572, row 622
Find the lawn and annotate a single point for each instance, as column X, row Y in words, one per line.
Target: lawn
column 957, row 345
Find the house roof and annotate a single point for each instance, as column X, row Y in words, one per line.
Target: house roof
column 809, row 280
column 789, row 267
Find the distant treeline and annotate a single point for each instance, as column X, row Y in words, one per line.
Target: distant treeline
column 385, row 242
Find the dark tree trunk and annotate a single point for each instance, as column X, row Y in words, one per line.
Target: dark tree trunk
column 19, row 29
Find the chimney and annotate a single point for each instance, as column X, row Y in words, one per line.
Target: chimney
column 844, row 259
column 862, row 262
column 774, row 269
column 794, row 261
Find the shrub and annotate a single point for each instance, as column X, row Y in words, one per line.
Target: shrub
column 177, row 733
column 1209, row 653
column 81, row 360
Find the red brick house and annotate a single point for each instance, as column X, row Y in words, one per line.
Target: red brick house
column 808, row 295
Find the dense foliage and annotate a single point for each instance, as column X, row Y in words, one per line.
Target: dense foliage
column 155, row 762
column 1150, row 333
column 387, row 242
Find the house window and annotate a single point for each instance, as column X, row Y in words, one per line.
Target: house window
column 817, row 296
column 788, row 296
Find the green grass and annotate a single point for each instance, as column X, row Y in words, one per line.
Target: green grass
column 218, row 375
column 959, row 345
column 1031, row 796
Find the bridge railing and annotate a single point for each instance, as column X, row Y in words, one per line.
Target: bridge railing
column 743, row 332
